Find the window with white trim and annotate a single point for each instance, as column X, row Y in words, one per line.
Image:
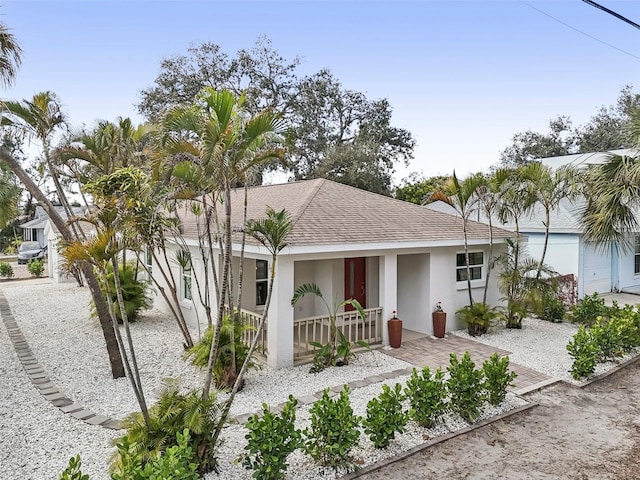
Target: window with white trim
column 186, row 281
column 262, row 281
column 476, row 262
column 636, row 257
column 148, row 258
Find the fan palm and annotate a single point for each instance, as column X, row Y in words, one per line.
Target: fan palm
column 10, row 56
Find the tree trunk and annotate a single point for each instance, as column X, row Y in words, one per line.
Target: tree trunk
column 466, row 259
column 117, row 368
column 486, row 280
column 546, row 243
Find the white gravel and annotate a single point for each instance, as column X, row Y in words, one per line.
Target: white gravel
column 539, row 345
column 36, row 439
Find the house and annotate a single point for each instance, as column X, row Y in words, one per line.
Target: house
column 388, row 254
column 33, row 230
column 47, row 231
column 598, row 269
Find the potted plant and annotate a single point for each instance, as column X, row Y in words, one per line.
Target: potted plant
column 439, row 318
column 395, row 330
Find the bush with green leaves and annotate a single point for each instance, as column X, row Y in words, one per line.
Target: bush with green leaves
column 585, row 353
column 497, row 378
column 73, row 471
column 6, row 270
column 626, row 328
column 135, row 292
column 385, row 416
column 427, row 395
column 174, row 412
column 333, row 432
column 589, row 309
column 36, row 267
column 465, row 387
column 552, row 308
column 224, row 373
column 270, row 440
column 175, row 463
column 477, row 317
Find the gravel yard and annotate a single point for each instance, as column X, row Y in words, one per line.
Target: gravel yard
column 37, row 439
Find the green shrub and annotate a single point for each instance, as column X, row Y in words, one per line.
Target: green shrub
column 427, row 394
column 604, row 338
column 385, row 416
column 271, row 439
column 585, row 353
column 552, row 308
column 626, row 326
column 6, row 270
column 223, row 371
column 36, row 267
column 589, row 309
column 477, row 317
column 73, row 472
column 465, row 387
column 135, row 293
column 497, row 378
column 333, row 432
column 173, row 413
column 175, row 463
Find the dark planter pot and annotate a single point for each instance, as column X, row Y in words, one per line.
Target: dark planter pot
column 395, row 332
column 439, row 323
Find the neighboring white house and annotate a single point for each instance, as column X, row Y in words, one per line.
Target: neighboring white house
column 51, row 237
column 388, row 254
column 33, row 230
column 598, row 269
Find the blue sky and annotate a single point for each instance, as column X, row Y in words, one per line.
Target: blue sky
column 463, row 77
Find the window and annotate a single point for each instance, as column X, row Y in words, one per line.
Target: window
column 476, row 261
column 262, row 281
column 148, row 258
column 636, row 257
column 186, row 281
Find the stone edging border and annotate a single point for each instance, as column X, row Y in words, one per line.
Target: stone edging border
column 39, row 378
column 604, row 375
column 440, row 439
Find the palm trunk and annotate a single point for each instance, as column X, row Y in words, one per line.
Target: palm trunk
column 486, row 280
column 223, row 292
column 252, row 349
column 234, row 367
column 466, row 258
column 117, row 367
column 546, row 242
column 176, row 311
column 135, row 379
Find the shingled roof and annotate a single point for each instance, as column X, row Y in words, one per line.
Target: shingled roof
column 329, row 213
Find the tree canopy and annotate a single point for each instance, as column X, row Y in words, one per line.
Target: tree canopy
column 609, row 129
column 333, row 132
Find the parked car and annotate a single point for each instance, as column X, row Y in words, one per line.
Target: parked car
column 29, row 251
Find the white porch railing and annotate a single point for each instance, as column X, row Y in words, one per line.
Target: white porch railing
column 316, row 329
column 252, row 319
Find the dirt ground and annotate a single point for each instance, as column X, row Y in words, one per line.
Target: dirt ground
column 593, row 433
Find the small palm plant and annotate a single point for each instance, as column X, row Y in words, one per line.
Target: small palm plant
column 328, row 353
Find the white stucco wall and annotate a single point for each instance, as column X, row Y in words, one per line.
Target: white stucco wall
column 454, row 295
column 413, row 292
column 563, row 251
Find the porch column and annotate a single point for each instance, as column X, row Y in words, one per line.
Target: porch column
column 280, row 320
column 388, row 290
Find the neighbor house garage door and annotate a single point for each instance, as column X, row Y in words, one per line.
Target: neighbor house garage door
column 596, row 273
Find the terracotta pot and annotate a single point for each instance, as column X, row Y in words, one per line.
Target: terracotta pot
column 439, row 323
column 395, row 332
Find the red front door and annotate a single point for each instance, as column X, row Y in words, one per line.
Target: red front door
column 355, row 281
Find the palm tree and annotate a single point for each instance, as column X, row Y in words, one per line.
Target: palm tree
column 218, row 144
column 271, row 231
column 488, row 204
column 462, row 196
column 40, row 118
column 10, row 56
column 549, row 187
column 312, row 288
